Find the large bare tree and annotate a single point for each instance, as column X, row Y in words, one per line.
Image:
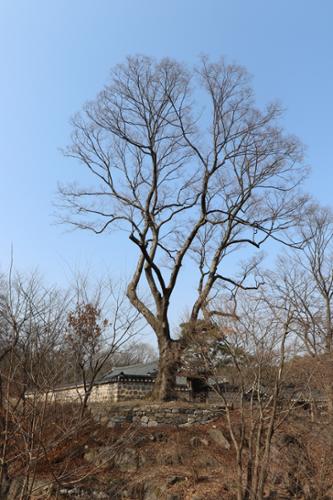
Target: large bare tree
column 191, row 168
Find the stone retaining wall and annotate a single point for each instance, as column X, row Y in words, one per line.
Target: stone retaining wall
column 154, row 415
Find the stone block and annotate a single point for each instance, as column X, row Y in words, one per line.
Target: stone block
column 218, row 437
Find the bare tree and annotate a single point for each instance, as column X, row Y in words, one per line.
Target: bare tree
column 307, row 278
column 32, row 318
column 248, row 376
column 35, row 429
column 191, row 168
column 135, row 352
column 92, row 338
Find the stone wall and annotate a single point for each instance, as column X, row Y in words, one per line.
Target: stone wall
column 122, row 390
column 101, row 393
column 155, row 415
column 107, row 392
column 104, row 392
column 131, row 390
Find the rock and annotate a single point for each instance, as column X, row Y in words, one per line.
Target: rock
column 127, row 460
column 174, row 479
column 69, row 492
column 100, row 455
column 90, row 456
column 41, row 487
column 218, row 437
column 169, row 459
column 142, row 460
column 208, row 461
column 144, row 419
column 191, row 420
column 139, row 440
column 161, row 437
column 146, row 458
column 112, row 424
column 82, row 493
column 197, row 441
column 116, row 488
column 153, row 492
column 152, row 423
column 100, row 495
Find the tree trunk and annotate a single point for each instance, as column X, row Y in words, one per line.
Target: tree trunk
column 165, row 384
column 84, row 403
column 328, row 336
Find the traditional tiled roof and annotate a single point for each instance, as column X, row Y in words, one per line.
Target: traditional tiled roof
column 145, row 370
column 140, row 372
column 140, row 369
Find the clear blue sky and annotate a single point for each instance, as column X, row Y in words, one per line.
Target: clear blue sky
column 56, row 54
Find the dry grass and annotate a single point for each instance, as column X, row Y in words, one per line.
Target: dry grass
column 302, row 450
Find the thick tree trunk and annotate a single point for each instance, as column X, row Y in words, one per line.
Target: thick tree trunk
column 165, row 384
